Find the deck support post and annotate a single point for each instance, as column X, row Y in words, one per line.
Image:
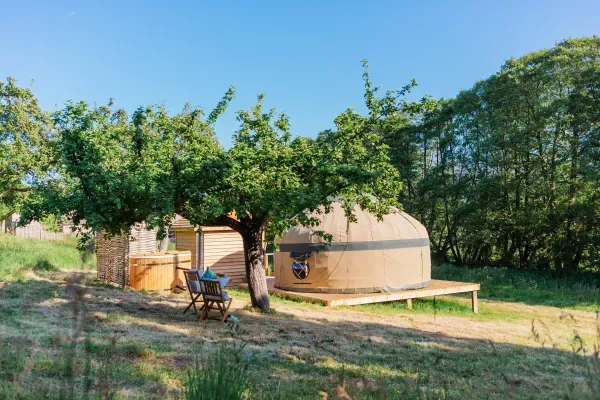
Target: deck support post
column 409, row 304
column 474, row 301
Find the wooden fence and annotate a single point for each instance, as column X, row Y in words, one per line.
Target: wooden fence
column 33, row 230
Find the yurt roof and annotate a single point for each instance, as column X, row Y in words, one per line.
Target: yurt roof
column 397, row 225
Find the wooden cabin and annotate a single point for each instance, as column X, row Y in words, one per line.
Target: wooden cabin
column 219, row 248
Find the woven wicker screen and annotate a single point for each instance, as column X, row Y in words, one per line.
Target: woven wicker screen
column 112, row 261
column 113, row 253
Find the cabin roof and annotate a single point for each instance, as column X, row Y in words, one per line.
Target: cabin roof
column 181, row 224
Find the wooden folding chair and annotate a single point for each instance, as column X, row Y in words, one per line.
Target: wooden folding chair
column 215, row 298
column 192, row 281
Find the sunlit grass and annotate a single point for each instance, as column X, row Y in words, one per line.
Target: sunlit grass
column 305, row 350
column 500, row 284
column 530, row 287
column 19, row 256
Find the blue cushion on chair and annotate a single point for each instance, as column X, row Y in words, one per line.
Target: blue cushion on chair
column 217, row 298
column 209, row 274
column 195, row 286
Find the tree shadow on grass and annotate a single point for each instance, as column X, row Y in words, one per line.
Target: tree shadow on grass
column 378, row 358
column 28, row 292
column 296, row 357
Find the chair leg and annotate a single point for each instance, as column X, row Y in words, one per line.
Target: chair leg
column 224, row 312
column 192, row 304
column 207, row 305
column 200, row 312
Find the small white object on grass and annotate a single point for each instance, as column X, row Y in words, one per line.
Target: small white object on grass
column 233, row 318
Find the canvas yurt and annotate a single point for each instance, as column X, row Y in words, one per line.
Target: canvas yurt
column 366, row 256
column 219, row 248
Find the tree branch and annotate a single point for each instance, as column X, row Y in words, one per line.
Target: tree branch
column 14, row 190
column 225, row 220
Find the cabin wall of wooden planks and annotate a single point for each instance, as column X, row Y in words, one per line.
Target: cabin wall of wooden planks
column 224, row 252
column 219, row 248
column 188, row 240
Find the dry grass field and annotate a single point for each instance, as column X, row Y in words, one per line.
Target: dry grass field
column 306, row 351
column 85, row 339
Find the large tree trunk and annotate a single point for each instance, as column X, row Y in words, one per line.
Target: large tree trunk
column 255, row 268
column 163, row 245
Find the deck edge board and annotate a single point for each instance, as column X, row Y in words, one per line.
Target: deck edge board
column 436, row 288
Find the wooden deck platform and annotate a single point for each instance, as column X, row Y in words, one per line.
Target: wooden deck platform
column 436, row 288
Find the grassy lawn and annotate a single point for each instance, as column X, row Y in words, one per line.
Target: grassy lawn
column 100, row 341
column 503, row 285
column 528, row 287
column 20, row 256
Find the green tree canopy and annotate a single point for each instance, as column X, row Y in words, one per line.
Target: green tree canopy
column 24, row 144
column 508, row 171
column 115, row 171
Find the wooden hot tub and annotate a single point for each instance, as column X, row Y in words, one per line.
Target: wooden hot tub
column 157, row 271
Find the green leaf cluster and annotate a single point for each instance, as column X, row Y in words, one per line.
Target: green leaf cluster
column 508, row 172
column 25, row 135
column 107, row 170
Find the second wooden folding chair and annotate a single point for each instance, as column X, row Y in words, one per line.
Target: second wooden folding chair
column 215, row 298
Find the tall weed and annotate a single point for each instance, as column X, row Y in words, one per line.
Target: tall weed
column 75, row 375
column 221, row 374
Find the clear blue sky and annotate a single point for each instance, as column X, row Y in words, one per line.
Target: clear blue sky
column 304, row 55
